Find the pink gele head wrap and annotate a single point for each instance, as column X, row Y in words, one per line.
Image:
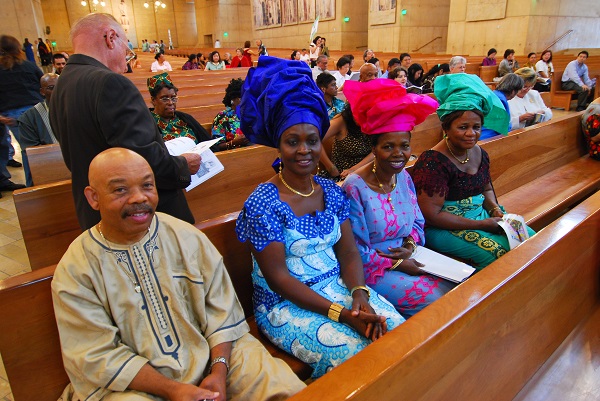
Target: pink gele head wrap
column 382, row 105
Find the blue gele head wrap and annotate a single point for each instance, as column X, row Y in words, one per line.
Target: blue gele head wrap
column 277, row 95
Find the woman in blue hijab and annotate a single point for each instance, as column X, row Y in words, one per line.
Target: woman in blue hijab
column 310, row 297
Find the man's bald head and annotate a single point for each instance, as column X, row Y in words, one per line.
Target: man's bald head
column 122, row 188
column 113, row 160
column 47, row 84
column 100, row 36
column 368, row 72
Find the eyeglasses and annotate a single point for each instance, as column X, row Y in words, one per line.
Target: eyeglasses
column 130, row 53
column 167, row 99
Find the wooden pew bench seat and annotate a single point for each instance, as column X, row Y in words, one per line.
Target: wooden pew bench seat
column 540, row 201
column 571, row 372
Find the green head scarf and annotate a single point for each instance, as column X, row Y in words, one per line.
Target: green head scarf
column 152, row 82
column 468, row 92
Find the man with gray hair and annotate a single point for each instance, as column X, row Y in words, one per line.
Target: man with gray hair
column 457, row 64
column 94, row 107
column 321, row 66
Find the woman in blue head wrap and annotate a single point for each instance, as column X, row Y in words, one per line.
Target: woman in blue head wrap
column 453, row 182
column 310, row 297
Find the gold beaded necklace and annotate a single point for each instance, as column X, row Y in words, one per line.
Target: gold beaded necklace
column 389, row 194
column 452, row 153
column 312, row 186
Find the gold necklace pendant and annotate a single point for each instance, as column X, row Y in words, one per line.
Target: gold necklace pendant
column 312, row 186
column 452, row 153
column 389, row 194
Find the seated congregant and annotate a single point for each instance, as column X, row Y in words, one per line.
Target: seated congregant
column 34, row 124
column 508, row 63
column 576, row 77
column 452, row 180
column 239, row 60
column 310, row 297
column 320, row 66
column 399, row 75
column 385, row 216
column 226, row 124
column 214, row 62
column 327, row 84
column 457, row 64
column 172, row 123
column 145, row 308
column 392, row 65
column 590, row 124
column 341, row 74
column 191, row 63
column 507, row 88
column 160, row 64
column 490, row 59
column 436, row 71
column 528, row 107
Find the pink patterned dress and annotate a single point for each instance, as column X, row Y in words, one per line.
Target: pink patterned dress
column 376, row 227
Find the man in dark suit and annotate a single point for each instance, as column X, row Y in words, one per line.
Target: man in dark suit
column 94, row 107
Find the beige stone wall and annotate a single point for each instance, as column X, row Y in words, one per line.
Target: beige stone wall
column 214, row 18
column 22, row 19
column 424, row 21
column 527, row 26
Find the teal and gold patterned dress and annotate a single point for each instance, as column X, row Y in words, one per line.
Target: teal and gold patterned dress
column 433, row 174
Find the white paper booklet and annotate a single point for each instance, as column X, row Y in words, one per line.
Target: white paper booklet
column 515, row 229
column 442, row 266
column 210, row 165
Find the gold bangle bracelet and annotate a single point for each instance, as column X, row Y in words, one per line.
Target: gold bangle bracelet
column 334, row 312
column 360, row 287
column 397, row 264
column 493, row 209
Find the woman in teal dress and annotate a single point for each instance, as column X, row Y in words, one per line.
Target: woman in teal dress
column 226, row 124
column 453, row 180
column 310, row 297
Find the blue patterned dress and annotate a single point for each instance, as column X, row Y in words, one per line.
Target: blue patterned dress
column 310, row 258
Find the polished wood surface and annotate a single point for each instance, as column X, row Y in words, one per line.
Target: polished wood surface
column 29, row 341
column 48, row 221
column 571, row 373
column 47, row 164
column 488, row 336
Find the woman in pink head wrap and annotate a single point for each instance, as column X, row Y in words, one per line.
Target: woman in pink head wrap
column 385, row 216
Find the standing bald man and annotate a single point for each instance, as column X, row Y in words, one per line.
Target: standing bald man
column 94, row 107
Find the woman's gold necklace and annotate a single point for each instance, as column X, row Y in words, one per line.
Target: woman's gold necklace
column 312, row 191
column 452, row 153
column 389, row 194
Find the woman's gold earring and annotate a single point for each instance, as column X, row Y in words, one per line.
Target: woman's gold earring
column 374, row 170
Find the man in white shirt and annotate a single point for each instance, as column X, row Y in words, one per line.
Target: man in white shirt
column 321, row 66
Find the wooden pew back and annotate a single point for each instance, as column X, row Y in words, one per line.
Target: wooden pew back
column 47, row 164
column 49, row 223
column 29, row 341
column 490, row 334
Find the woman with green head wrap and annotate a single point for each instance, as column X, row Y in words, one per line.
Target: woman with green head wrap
column 452, row 180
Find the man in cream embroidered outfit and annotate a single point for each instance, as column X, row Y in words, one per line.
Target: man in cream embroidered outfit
column 145, row 307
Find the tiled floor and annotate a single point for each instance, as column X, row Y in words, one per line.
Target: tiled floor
column 13, row 257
